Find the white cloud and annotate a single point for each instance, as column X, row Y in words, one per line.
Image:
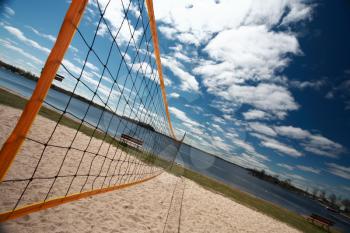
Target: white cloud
column 292, row 132
column 114, row 16
column 228, row 117
column 249, row 149
column 225, row 106
column 286, row 166
column 182, row 56
column 339, row 170
column 103, row 90
column 195, row 108
column 87, row 64
column 320, row 145
column 217, row 128
column 13, row 47
column 243, row 144
column 255, row 114
column 317, row 84
column 220, row 144
column 189, row 38
column 174, row 95
column 9, row 11
column 271, row 98
column 20, row 36
column 308, row 169
column 248, row 161
column 167, row 31
column 218, row 119
column 91, row 66
column 262, row 128
column 246, row 51
column 145, row 69
column 183, row 117
column 188, row 81
column 314, row 143
column 298, row 12
column 71, row 67
column 102, row 30
column 256, row 54
column 43, row 35
column 167, row 81
column 281, row 147
column 226, row 14
column 50, row 38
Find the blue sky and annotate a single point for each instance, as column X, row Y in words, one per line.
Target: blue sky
column 261, row 84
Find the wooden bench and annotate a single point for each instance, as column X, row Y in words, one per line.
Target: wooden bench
column 134, row 142
column 319, row 220
column 59, row 77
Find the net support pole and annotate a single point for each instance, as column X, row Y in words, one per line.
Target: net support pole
column 16, row 138
column 153, row 27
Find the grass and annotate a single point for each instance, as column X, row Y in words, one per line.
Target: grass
column 276, row 212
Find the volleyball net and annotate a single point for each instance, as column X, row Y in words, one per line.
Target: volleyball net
column 98, row 118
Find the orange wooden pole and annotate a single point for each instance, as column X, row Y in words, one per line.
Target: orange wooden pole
column 15, row 140
column 153, row 27
column 61, row 200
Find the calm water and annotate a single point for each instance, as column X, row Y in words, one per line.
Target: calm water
column 190, row 157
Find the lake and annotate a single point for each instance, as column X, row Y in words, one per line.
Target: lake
column 188, row 156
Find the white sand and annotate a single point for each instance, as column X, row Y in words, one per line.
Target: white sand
column 140, row 208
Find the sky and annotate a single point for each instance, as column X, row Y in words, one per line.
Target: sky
column 263, row 84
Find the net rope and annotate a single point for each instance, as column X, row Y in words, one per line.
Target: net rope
column 102, row 130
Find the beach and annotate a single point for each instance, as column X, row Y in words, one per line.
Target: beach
column 166, row 203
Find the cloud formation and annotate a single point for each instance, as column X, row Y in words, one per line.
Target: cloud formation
column 9, row 45
column 313, row 143
column 174, row 95
column 43, row 35
column 286, row 166
column 188, row 81
column 8, row 11
column 281, row 147
column 115, row 19
column 247, row 44
column 309, row 169
column 339, row 170
column 20, row 36
column 254, row 114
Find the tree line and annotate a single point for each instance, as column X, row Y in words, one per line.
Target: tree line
column 331, row 200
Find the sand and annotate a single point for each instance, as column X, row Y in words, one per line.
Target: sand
column 164, row 204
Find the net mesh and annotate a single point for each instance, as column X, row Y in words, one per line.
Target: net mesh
column 105, row 123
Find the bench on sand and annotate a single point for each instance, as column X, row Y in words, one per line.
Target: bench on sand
column 134, row 142
column 321, row 221
column 59, row 77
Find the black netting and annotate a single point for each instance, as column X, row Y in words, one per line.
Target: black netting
column 105, row 124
